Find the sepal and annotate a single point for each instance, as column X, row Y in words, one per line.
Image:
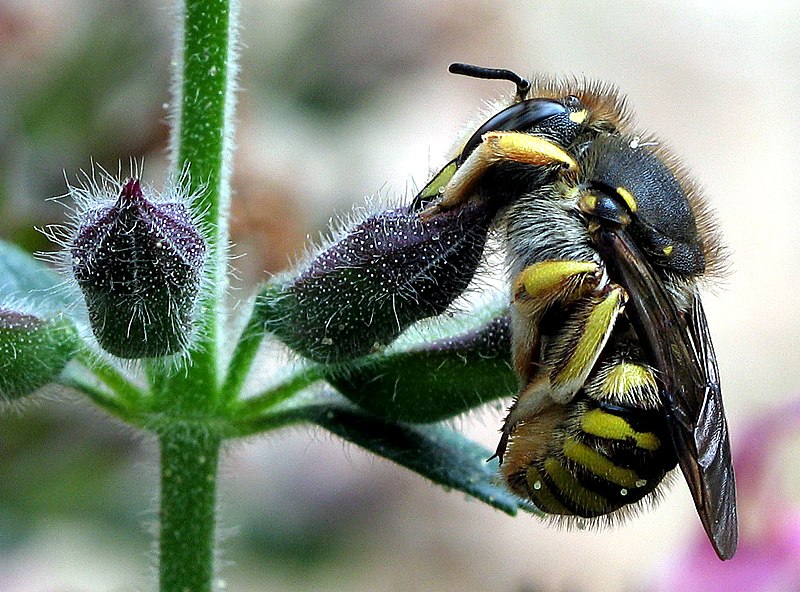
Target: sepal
column 139, row 264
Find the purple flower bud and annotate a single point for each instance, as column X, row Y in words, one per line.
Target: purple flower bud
column 387, row 272
column 33, row 350
column 139, row 264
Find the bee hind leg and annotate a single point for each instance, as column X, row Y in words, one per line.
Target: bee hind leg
column 555, row 373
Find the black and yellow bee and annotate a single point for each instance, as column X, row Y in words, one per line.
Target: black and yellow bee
column 607, row 243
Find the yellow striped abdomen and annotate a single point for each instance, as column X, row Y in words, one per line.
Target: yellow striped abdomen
column 590, row 457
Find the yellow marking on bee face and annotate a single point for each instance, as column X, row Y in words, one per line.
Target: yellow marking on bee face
column 667, row 250
column 596, row 330
column 541, row 495
column 573, row 489
column 437, row 184
column 628, row 198
column 545, row 278
column 578, row 116
column 612, row 427
column 587, row 203
column 527, row 149
column 600, row 465
column 624, row 378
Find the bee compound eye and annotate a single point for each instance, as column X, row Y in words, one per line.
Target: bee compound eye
column 531, row 115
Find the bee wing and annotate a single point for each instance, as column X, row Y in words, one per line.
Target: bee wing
column 681, row 350
column 711, row 441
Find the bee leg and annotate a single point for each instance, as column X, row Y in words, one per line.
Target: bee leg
column 576, row 349
column 499, row 147
column 568, row 360
column 537, row 288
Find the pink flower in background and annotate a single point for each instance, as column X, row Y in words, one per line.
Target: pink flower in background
column 768, row 556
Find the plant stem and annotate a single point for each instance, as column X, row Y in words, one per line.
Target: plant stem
column 204, row 89
column 189, row 457
column 246, row 349
column 187, row 395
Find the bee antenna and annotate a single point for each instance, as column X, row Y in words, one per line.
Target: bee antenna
column 523, row 84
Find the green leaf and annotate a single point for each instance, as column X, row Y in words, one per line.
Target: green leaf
column 434, row 451
column 24, row 279
column 33, row 351
column 436, row 380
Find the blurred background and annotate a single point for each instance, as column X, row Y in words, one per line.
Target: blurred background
column 343, row 100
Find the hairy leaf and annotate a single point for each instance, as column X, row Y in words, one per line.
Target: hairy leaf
column 24, row 279
column 434, row 451
column 435, row 380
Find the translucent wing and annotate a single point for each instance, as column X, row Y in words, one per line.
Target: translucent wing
column 680, row 347
column 711, row 441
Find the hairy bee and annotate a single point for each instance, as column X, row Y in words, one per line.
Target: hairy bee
column 607, row 243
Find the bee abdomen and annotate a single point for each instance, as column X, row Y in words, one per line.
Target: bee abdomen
column 602, row 457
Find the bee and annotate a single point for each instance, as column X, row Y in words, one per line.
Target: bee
column 608, row 243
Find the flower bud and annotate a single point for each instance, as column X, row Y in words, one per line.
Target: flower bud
column 33, row 350
column 139, row 264
column 387, row 272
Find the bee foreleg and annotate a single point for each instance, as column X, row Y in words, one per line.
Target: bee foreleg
column 499, row 147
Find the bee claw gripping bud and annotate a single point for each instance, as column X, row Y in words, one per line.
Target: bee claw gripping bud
column 139, row 264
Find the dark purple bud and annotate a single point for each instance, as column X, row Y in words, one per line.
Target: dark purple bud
column 139, row 265
column 387, row 272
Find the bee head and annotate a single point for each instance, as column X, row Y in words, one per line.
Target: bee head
column 627, row 184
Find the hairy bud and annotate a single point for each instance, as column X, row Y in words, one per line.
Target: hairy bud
column 33, row 350
column 387, row 272
column 139, row 264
